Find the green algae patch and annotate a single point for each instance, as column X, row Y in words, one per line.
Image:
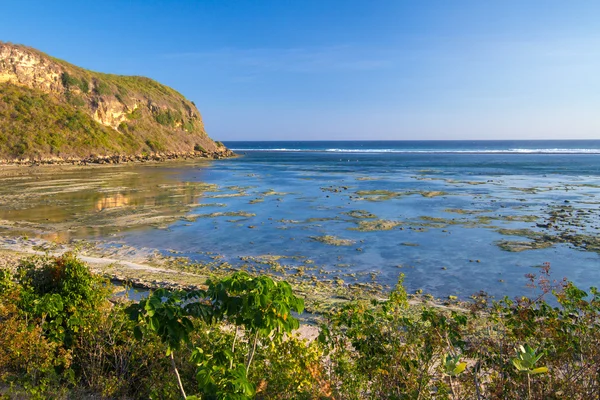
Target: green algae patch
column 409, row 244
column 440, row 223
column 257, row 200
column 200, row 205
column 264, row 258
column 334, row 189
column 324, row 219
column 288, row 221
column 463, row 211
column 484, row 220
column 437, row 222
column 440, row 220
column 382, row 195
column 542, row 240
column 226, row 195
column 516, row 246
column 377, row 195
column 459, row 182
column 585, row 242
column 243, row 214
column 360, row 214
column 200, row 186
column 528, row 233
column 272, row 192
column 519, row 218
column 332, row 240
column 434, row 193
column 528, row 190
column 474, row 183
column 375, row 225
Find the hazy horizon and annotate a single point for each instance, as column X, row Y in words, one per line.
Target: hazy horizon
column 345, row 70
column 415, row 140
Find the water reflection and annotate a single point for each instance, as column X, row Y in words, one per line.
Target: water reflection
column 117, row 200
column 56, row 237
column 61, row 203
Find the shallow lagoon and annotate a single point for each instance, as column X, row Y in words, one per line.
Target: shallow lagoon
column 444, row 243
column 433, row 217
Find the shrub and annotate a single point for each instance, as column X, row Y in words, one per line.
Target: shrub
column 120, row 97
column 124, row 127
column 258, row 307
column 62, row 293
column 48, row 305
column 84, row 85
column 188, row 125
column 154, row 145
column 166, row 117
column 68, row 80
column 75, row 100
column 101, row 88
column 135, row 114
column 235, row 340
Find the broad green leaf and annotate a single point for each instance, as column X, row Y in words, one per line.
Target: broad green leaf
column 540, row 370
column 460, row 368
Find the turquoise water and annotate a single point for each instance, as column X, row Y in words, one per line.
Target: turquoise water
column 445, row 243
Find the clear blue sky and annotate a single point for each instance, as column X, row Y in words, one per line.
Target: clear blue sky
column 329, row 69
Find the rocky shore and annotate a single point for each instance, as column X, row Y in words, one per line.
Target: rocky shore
column 121, row 159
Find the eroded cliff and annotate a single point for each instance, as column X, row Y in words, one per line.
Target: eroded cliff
column 53, row 110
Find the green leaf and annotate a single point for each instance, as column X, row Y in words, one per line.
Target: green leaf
column 540, row 370
column 460, row 368
column 137, row 333
column 517, row 363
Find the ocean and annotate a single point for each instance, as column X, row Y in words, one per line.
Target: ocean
column 421, row 146
column 455, row 217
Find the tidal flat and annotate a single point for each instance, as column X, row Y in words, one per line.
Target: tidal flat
column 318, row 220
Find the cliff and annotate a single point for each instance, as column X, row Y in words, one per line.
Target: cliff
column 53, row 111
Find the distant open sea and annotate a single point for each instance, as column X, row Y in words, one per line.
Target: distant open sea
column 422, row 146
column 452, row 206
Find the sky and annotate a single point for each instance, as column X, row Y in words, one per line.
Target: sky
column 344, row 69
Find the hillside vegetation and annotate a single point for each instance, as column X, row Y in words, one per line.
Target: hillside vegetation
column 52, row 109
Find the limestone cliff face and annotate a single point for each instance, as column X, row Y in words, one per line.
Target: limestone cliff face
column 141, row 114
column 23, row 67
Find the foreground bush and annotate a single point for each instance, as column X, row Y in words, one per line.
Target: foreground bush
column 61, row 336
column 523, row 349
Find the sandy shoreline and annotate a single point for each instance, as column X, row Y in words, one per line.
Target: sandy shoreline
column 148, row 269
column 120, row 270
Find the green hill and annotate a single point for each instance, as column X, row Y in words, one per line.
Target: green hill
column 53, row 110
